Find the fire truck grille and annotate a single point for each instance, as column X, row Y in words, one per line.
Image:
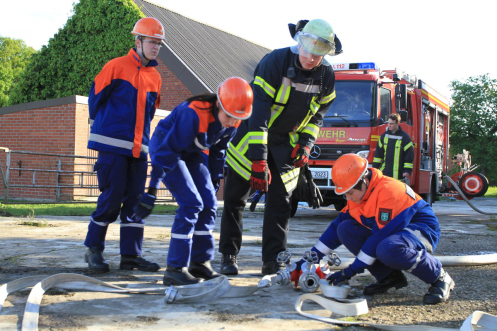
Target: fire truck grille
column 333, row 152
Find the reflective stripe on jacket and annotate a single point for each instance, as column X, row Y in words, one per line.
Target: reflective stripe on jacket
column 122, row 102
column 287, row 111
column 394, row 154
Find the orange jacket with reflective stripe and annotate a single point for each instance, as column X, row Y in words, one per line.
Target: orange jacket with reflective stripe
column 122, row 102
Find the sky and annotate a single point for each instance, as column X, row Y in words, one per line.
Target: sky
column 437, row 40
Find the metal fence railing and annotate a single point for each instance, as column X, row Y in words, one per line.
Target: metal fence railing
column 52, row 177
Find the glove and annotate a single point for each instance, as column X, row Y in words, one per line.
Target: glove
column 300, row 154
column 315, row 200
column 341, row 276
column 261, row 176
column 255, row 200
column 216, row 183
column 145, row 206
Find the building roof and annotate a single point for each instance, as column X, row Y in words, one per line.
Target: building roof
column 202, row 56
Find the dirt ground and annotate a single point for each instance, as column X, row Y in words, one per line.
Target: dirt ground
column 56, row 246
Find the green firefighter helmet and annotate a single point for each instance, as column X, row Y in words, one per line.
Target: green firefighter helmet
column 317, row 37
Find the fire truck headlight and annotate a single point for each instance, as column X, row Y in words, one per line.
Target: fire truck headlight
column 363, row 154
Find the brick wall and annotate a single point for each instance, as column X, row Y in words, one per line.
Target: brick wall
column 173, row 91
column 44, row 130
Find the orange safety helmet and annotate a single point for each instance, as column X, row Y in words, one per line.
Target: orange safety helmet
column 149, row 27
column 235, row 97
column 347, row 171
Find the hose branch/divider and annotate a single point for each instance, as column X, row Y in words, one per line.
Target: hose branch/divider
column 464, row 197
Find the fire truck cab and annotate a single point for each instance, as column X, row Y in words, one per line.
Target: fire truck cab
column 365, row 97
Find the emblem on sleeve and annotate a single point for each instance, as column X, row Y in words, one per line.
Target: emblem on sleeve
column 410, row 192
column 384, row 216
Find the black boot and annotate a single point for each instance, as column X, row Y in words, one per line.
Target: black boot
column 229, row 265
column 179, row 276
column 440, row 290
column 395, row 279
column 202, row 270
column 130, row 262
column 272, row 267
column 95, row 260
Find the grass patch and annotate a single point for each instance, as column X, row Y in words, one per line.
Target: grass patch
column 66, row 209
column 39, row 224
column 13, row 259
column 491, row 226
column 491, row 192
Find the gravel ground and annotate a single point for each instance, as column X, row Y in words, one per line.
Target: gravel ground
column 475, row 289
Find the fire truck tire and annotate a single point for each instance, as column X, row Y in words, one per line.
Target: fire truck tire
column 340, row 205
column 473, row 184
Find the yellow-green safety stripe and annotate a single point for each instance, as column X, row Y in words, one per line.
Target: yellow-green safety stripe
column 265, row 86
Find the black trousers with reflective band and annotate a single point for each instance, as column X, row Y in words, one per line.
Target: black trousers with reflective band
column 276, row 214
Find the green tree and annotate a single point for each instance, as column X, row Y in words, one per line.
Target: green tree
column 98, row 31
column 474, row 122
column 14, row 57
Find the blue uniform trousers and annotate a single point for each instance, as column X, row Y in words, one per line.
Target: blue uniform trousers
column 400, row 251
column 121, row 179
column 191, row 234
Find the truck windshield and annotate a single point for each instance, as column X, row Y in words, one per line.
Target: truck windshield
column 353, row 104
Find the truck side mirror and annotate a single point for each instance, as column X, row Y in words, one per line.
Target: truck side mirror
column 403, row 115
column 381, row 121
column 401, row 96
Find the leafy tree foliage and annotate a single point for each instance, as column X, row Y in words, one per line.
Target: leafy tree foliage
column 14, row 57
column 474, row 122
column 98, row 31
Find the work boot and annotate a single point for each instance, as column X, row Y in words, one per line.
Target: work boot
column 130, row 262
column 272, row 267
column 229, row 265
column 179, row 276
column 396, row 279
column 202, row 270
column 440, row 290
column 95, row 260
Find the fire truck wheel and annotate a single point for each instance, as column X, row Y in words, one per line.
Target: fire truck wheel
column 473, row 184
column 340, row 205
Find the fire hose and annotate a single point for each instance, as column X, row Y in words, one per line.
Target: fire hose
column 309, row 279
column 202, row 292
column 354, row 307
column 464, row 197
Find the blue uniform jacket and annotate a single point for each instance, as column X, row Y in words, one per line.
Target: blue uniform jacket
column 388, row 206
column 122, row 102
column 190, row 128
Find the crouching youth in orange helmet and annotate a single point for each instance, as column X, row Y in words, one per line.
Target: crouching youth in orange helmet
column 388, row 227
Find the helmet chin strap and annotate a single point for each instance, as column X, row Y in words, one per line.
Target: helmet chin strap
column 143, row 53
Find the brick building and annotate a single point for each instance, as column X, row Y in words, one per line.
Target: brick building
column 196, row 59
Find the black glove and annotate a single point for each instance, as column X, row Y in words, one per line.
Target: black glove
column 315, row 200
column 145, row 206
column 216, row 183
column 255, row 199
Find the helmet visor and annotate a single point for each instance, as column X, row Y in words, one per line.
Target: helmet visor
column 315, row 45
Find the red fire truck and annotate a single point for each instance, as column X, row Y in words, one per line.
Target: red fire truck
column 365, row 97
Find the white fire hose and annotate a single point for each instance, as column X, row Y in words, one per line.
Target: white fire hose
column 203, row 292
column 221, row 288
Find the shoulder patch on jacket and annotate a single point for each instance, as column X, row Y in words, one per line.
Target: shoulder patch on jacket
column 410, row 192
column 384, row 216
